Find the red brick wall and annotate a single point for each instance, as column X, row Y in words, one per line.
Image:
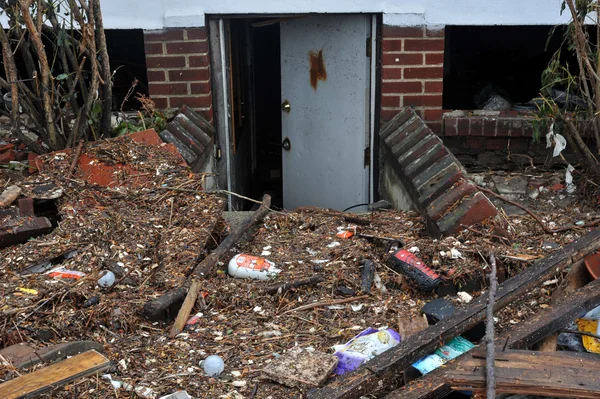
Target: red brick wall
column 412, row 74
column 178, row 68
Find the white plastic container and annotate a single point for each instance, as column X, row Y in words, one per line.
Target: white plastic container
column 254, row 267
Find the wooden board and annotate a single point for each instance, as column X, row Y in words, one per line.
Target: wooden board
column 561, row 374
column 524, row 335
column 34, row 384
column 366, row 378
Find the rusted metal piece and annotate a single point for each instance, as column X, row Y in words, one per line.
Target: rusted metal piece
column 192, row 135
column 317, row 68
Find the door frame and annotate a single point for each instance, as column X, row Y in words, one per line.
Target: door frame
column 218, row 36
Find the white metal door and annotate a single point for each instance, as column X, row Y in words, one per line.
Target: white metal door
column 325, row 79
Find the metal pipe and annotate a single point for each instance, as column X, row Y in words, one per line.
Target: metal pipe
column 225, row 106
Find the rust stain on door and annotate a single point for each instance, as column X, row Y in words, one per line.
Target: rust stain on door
column 317, row 68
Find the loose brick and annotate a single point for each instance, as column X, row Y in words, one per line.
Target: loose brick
column 400, row 118
column 434, row 58
column 197, row 34
column 188, row 75
column 163, row 35
column 432, row 170
column 168, row 89
column 434, row 100
column 402, row 59
column 199, row 61
column 439, row 184
column 153, row 48
column 8, row 156
column 418, row 150
column 156, row 76
column 402, row 31
column 430, row 157
column 391, row 45
column 201, row 88
column 424, row 45
column 193, row 102
column 7, row 147
column 423, row 73
column 434, row 87
column 398, row 131
column 401, row 87
column 154, row 62
column 390, row 101
column 409, row 139
column 463, row 126
column 195, row 47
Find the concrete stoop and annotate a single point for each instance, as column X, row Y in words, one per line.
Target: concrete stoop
column 434, row 178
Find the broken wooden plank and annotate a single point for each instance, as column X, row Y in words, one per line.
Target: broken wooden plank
column 34, row 384
column 524, row 335
column 562, row 374
column 365, row 379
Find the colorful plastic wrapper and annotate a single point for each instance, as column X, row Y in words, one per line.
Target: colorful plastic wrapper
column 366, row 345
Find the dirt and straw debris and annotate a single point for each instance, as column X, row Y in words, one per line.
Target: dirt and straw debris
column 151, row 238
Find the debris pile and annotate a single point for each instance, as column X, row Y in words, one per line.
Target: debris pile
column 129, row 224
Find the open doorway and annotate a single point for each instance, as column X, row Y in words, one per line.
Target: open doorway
column 255, row 78
column 294, row 106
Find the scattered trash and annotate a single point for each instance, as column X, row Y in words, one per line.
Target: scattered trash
column 27, row 291
column 591, row 344
column 213, row 365
column 177, row 395
column 334, row 244
column 107, row 279
column 357, row 308
column 411, row 325
column 569, row 179
column 414, row 250
column 455, row 253
column 408, row 264
column 368, row 274
column 64, row 273
column 438, row 309
column 91, row 301
column 253, row 267
column 145, row 392
column 345, row 290
column 9, row 195
column 345, row 234
column 451, row 350
column 363, row 347
column 464, row 297
column 301, row 367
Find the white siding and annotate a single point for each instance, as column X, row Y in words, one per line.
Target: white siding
column 157, row 14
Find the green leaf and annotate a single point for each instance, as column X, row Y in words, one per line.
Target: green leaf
column 62, row 76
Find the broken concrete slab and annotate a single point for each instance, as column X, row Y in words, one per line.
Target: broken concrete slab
column 432, row 176
column 301, row 367
column 510, row 185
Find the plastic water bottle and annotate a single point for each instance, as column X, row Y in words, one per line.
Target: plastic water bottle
column 107, row 279
column 248, row 266
column 213, row 365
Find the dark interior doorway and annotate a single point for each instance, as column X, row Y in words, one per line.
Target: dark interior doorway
column 255, row 104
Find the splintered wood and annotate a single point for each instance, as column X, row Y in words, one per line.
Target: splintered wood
column 34, row 384
column 560, row 374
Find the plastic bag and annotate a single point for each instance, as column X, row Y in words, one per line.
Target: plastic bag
column 364, row 347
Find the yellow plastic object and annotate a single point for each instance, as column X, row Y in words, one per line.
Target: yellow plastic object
column 591, row 344
column 29, row 291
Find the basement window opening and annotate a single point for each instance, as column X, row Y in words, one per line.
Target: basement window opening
column 503, row 60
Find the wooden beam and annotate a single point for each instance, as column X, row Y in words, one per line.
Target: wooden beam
column 34, row 384
column 365, row 379
column 556, row 374
column 524, row 335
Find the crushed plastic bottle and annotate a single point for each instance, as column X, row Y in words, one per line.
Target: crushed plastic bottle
column 254, row 267
column 107, row 279
column 213, row 365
